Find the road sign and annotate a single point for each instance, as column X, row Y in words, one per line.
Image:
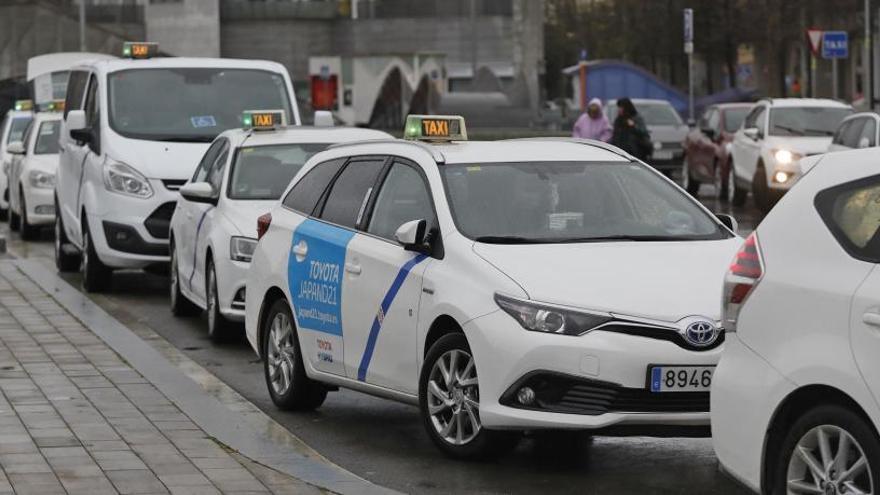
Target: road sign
column 815, row 38
column 835, row 44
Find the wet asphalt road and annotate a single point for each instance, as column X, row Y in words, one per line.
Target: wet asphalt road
column 384, row 442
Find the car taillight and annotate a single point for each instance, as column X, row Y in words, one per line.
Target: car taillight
column 263, row 224
column 744, row 274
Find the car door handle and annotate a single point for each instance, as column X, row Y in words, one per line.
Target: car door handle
column 872, row 319
column 353, row 268
column 301, row 249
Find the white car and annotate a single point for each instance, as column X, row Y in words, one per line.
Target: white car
column 214, row 227
column 860, row 130
column 774, row 137
column 11, row 131
column 795, row 397
column 500, row 286
column 134, row 132
column 32, row 176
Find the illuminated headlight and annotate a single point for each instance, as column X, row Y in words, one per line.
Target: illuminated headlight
column 546, row 318
column 41, row 180
column 658, row 145
column 122, row 179
column 784, row 157
column 782, row 177
column 242, row 248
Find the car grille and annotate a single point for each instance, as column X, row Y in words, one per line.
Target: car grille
column 173, row 184
column 671, row 146
column 159, row 221
column 556, row 392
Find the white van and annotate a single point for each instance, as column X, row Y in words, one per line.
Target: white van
column 134, row 130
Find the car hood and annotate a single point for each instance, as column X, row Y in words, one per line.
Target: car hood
column 668, row 133
column 804, row 145
column 243, row 214
column 157, row 159
column 664, row 281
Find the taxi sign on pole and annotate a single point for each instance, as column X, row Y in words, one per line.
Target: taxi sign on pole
column 132, row 49
column 24, row 105
column 835, row 44
column 435, row 128
column 263, row 119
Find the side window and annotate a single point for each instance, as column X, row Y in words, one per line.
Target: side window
column 761, row 122
column 853, row 133
column 92, row 108
column 714, row 121
column 76, row 89
column 841, row 131
column 868, row 138
column 207, row 160
column 752, row 117
column 304, row 196
column 26, row 137
column 349, row 193
column 704, row 120
column 215, row 174
column 852, row 213
column 404, row 197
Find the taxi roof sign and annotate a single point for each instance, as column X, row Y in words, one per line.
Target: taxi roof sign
column 140, row 49
column 24, row 105
column 435, row 128
column 53, row 106
column 263, row 120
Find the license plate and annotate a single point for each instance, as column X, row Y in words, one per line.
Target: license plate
column 662, row 155
column 681, row 378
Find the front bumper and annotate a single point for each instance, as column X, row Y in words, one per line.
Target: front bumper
column 231, row 279
column 599, row 362
column 40, row 204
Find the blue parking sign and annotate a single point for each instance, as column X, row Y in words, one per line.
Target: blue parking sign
column 835, row 44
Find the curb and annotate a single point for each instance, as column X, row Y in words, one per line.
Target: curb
column 204, row 410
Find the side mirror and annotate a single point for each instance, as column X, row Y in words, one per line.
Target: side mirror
column 323, row 118
column 198, row 192
column 411, row 236
column 76, row 120
column 728, row 221
column 752, row 133
column 15, row 148
column 864, row 143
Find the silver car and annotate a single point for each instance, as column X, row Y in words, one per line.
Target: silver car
column 667, row 130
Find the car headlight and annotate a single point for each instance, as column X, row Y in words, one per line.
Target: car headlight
column 242, row 248
column 122, row 179
column 782, row 176
column 785, row 157
column 547, row 318
column 41, row 180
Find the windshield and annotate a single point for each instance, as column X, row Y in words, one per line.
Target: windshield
column 733, row 118
column 47, row 138
column 263, row 172
column 190, row 104
column 658, row 114
column 17, row 128
column 554, row 202
column 806, row 121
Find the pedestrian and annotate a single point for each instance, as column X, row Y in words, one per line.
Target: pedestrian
column 593, row 124
column 630, row 132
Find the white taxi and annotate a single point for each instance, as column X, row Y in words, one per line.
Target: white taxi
column 32, row 176
column 134, row 131
column 214, row 226
column 12, row 131
column 500, row 286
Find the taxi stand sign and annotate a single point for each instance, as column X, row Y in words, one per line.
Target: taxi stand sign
column 435, row 128
column 24, row 105
column 263, row 119
column 131, row 49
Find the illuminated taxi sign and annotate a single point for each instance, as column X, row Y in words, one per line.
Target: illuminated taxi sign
column 263, row 119
column 24, row 105
column 139, row 49
column 53, row 106
column 435, row 128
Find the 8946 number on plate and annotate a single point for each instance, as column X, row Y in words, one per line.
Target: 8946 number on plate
column 681, row 378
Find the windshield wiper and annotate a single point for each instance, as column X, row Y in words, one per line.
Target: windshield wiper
column 793, row 130
column 823, row 132
column 623, row 237
column 508, row 239
column 184, row 139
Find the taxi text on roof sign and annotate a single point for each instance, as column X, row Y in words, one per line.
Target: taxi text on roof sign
column 139, row 49
column 263, row 119
column 53, row 106
column 24, row 104
column 435, row 128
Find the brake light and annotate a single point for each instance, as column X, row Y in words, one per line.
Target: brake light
column 263, row 224
column 743, row 276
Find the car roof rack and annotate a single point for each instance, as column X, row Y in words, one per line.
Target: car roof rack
column 586, row 142
column 433, row 151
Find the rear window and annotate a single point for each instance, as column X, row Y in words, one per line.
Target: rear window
column 263, row 172
column 852, row 214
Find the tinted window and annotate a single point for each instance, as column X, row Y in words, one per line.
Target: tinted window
column 850, row 136
column 208, row 160
column 263, row 172
column 852, row 213
column 47, row 138
column 806, row 121
column 304, row 196
column 76, row 89
column 215, row 173
column 17, row 128
column 733, row 118
column 869, row 134
column 404, row 197
column 350, row 191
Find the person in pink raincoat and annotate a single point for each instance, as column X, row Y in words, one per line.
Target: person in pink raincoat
column 593, row 124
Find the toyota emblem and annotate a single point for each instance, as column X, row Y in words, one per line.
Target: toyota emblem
column 701, row 333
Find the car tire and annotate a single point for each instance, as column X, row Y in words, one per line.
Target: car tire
column 95, row 274
column 180, row 305
column 831, row 422
column 449, row 403
column 219, row 327
column 14, row 220
column 289, row 386
column 760, row 190
column 691, row 185
column 4, row 214
column 64, row 262
column 28, row 232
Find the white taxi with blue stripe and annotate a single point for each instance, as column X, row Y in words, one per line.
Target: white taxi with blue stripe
column 213, row 228
column 500, row 286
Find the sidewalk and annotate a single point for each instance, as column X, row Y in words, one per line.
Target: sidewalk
column 77, row 418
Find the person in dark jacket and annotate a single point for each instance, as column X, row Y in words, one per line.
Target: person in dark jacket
column 630, row 132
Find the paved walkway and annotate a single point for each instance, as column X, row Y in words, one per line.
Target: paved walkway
column 76, row 418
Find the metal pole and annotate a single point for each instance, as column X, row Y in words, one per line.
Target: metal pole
column 473, row 15
column 690, row 88
column 867, row 66
column 82, row 25
column 813, row 81
column 354, row 8
column 834, row 78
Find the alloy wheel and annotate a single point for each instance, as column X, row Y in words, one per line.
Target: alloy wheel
column 454, row 397
column 828, row 460
column 282, row 354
